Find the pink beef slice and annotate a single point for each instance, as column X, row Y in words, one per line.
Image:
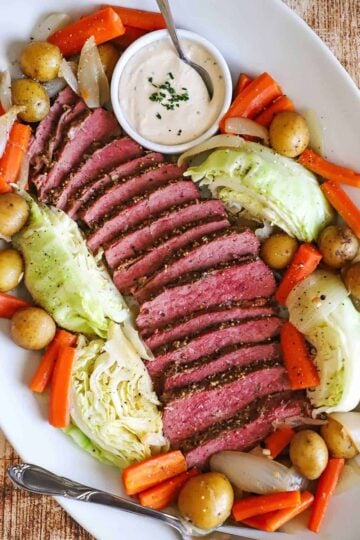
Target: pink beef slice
column 184, row 417
column 230, row 247
column 63, row 125
column 136, row 242
column 242, row 356
column 246, row 436
column 251, row 331
column 126, row 276
column 234, row 284
column 97, row 126
column 202, row 321
column 153, row 177
column 46, row 127
column 163, row 198
column 105, row 158
column 95, row 187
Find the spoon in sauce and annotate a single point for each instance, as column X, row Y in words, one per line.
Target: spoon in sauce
column 166, row 13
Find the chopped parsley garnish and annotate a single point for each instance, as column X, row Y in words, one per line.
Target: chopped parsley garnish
column 158, row 115
column 166, row 95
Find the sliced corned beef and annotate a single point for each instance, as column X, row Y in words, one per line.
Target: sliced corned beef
column 198, row 410
column 64, row 123
column 96, row 187
column 241, row 356
column 252, row 331
column 207, row 319
column 159, row 200
column 142, row 239
column 64, row 101
column 106, row 157
column 151, row 178
column 126, row 276
column 229, row 247
column 99, row 125
column 234, row 284
column 245, row 430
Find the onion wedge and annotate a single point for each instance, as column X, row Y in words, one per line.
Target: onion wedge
column 48, row 25
column 5, row 90
column 6, row 122
column 245, row 126
column 67, row 73
column 218, row 141
column 93, row 83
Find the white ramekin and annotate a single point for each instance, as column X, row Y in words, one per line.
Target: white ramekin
column 133, row 49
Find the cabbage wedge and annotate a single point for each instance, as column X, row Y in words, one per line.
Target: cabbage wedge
column 266, row 186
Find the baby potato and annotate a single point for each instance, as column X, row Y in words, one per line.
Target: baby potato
column 338, row 245
column 309, row 453
column 338, row 441
column 352, row 280
column 33, row 97
column 11, row 269
column 289, row 133
column 109, row 55
column 32, row 328
column 206, row 500
column 278, row 250
column 14, row 211
column 41, row 60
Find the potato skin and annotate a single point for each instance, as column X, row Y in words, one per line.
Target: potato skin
column 14, row 212
column 206, row 500
column 289, row 134
column 337, row 440
column 338, row 245
column 109, row 55
column 33, row 97
column 32, row 328
column 11, row 269
column 352, row 280
column 278, row 250
column 41, row 60
column 309, row 453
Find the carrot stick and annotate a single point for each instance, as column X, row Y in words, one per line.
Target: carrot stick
column 254, row 506
column 272, row 521
column 131, row 35
column 4, row 186
column 283, row 103
column 9, row 305
column 137, row 18
column 277, row 441
column 11, row 160
column 59, row 407
column 152, row 471
column 162, row 495
column 257, row 95
column 305, row 260
column 301, row 370
column 324, row 492
column 328, row 170
column 45, row 369
column 104, row 25
column 243, row 81
column 343, row 204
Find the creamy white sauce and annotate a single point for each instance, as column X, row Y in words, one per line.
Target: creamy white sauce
column 180, row 111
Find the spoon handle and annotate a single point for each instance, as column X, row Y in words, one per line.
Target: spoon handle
column 166, row 13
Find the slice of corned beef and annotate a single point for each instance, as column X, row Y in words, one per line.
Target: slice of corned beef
column 207, row 319
column 64, row 123
column 105, row 158
column 202, row 407
column 142, row 239
column 99, row 125
column 126, row 276
column 234, row 284
column 151, row 178
column 230, row 247
column 241, row 356
column 245, row 430
column 46, row 127
column 94, row 189
column 252, row 331
column 158, row 201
